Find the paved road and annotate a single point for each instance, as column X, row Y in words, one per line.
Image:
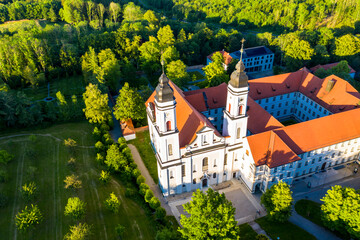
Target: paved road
column 148, row 179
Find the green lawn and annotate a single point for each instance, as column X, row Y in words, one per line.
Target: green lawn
column 142, row 143
column 286, row 230
column 309, row 210
column 246, row 232
column 73, row 85
column 49, row 156
column 312, row 210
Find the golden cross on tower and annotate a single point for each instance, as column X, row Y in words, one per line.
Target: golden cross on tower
column 242, row 48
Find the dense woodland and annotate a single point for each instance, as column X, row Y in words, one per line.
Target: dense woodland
column 103, row 41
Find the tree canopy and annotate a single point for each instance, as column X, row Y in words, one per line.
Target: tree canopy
column 278, row 201
column 341, row 210
column 129, row 105
column 211, row 217
column 215, row 73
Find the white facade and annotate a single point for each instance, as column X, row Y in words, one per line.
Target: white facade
column 212, row 157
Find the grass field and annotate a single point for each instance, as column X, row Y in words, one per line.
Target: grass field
column 73, row 85
column 246, row 232
column 49, row 156
column 285, row 231
column 312, row 210
column 142, row 143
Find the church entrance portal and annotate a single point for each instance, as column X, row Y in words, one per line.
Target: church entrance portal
column 204, row 182
column 323, row 166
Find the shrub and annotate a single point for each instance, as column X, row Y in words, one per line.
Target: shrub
column 143, row 188
column 148, row 195
column 112, row 203
column 262, row 237
column 154, row 203
column 97, row 133
column 28, row 191
column 120, row 229
column 104, row 176
column 99, row 146
column 104, row 127
column 78, row 232
column 160, row 213
column 140, row 179
column 28, row 217
column 100, row 158
column 5, row 157
column 136, row 173
column 71, row 162
column 3, row 200
column 71, row 143
column 72, row 181
column 75, row 208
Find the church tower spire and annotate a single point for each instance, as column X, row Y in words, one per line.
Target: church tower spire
column 235, row 117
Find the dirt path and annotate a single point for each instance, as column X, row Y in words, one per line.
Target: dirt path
column 149, row 181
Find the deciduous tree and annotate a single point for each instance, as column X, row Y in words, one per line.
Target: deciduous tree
column 112, row 203
column 81, row 231
column 75, row 208
column 211, row 217
column 96, row 105
column 214, row 72
column 277, row 201
column 28, row 218
column 129, row 104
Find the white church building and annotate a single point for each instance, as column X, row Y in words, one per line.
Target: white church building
column 208, row 136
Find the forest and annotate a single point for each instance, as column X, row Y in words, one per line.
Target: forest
column 45, row 42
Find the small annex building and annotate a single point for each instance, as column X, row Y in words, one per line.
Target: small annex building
column 208, row 136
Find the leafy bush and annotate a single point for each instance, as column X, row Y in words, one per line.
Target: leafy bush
column 80, row 231
column 120, row 229
column 104, row 176
column 136, row 173
column 75, row 208
column 28, row 191
column 28, row 218
column 140, row 179
column 154, row 203
column 160, row 213
column 72, row 181
column 97, row 133
column 148, row 195
column 112, row 203
column 5, row 157
column 143, row 188
column 100, row 158
column 99, row 146
column 262, row 237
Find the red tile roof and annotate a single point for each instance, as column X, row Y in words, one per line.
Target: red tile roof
column 341, row 97
column 226, row 55
column 321, row 132
column 268, row 148
column 189, row 120
column 127, row 127
column 328, row 66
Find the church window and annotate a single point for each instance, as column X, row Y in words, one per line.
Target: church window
column 171, row 175
column 170, row 149
column 238, row 133
column 229, row 107
column 183, row 170
column 214, row 162
column 240, row 110
column 194, row 181
column 205, row 162
column 225, row 160
column 168, row 125
column 214, row 175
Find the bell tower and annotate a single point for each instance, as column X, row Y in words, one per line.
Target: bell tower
column 235, row 117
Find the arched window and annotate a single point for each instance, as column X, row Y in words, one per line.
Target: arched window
column 168, row 125
column 205, row 162
column 240, row 109
column 229, row 107
column 170, row 149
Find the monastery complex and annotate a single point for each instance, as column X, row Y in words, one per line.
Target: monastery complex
column 208, row 136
